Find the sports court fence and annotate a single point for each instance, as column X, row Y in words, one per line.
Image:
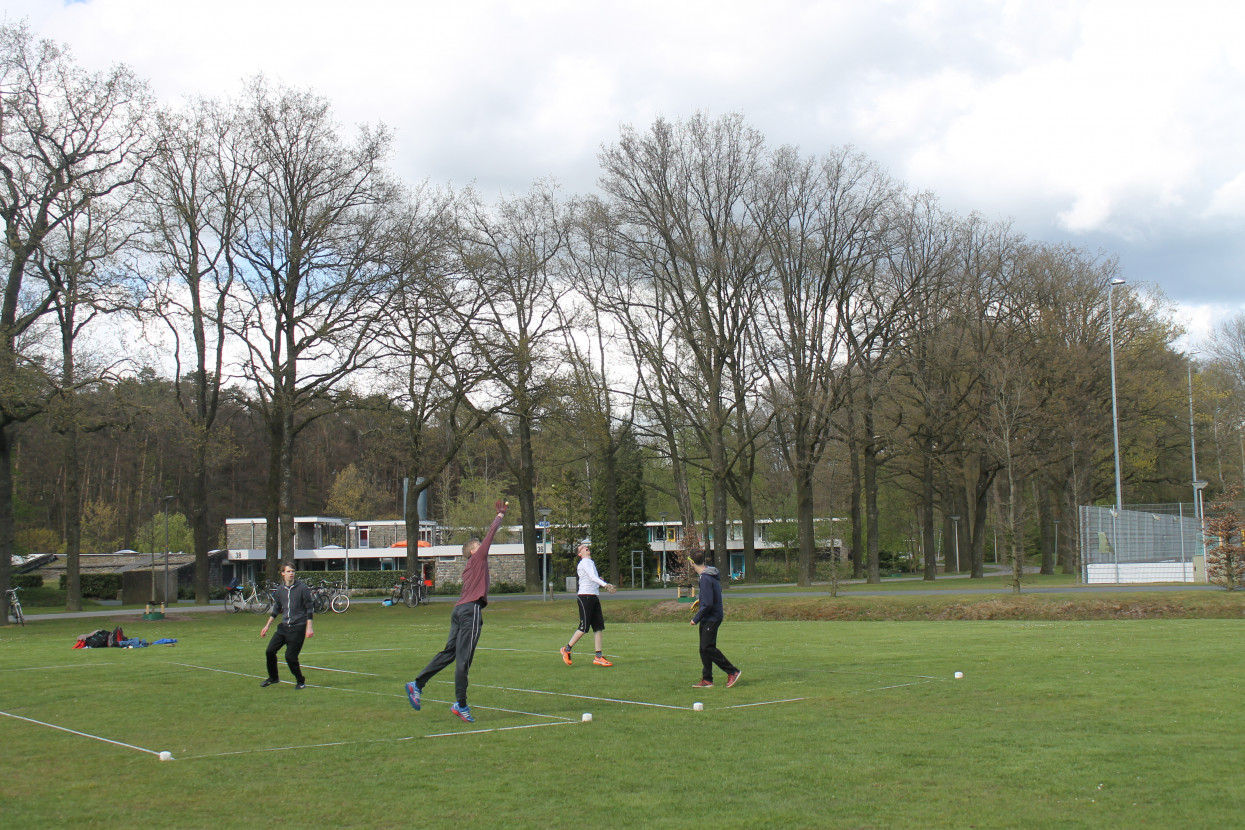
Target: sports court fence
column 1141, row 543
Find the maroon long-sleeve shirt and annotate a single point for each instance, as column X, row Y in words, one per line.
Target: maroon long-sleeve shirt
column 475, row 575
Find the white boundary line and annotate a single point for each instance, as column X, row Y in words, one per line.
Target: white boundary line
column 287, row 748
column 82, row 734
column 762, row 703
column 498, row 729
column 382, row 694
column 897, row 686
column 586, row 697
column 69, row 666
column 340, row 671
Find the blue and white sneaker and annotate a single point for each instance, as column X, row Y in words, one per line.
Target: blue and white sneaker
column 412, row 694
column 463, row 712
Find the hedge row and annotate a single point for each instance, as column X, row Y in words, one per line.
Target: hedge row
column 26, row 581
column 362, row 580
column 103, row 586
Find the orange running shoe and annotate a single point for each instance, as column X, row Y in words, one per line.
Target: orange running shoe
column 566, row 655
column 601, row 661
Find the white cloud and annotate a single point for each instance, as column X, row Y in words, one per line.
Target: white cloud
column 1098, row 119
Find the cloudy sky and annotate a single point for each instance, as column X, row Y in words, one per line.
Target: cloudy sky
column 1114, row 124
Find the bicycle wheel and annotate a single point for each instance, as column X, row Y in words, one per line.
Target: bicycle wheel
column 410, row 595
column 321, row 603
column 340, row 603
column 17, row 613
column 233, row 602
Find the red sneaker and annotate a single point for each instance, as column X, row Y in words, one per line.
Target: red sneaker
column 703, row 684
column 732, row 679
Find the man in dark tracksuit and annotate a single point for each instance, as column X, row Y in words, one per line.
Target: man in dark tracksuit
column 292, row 604
column 709, row 617
column 465, row 624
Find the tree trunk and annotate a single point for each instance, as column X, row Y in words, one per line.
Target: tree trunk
column 927, row 514
column 871, row 497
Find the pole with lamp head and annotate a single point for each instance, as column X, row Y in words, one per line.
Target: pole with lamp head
column 955, row 531
column 548, row 546
column 661, row 563
column 165, row 598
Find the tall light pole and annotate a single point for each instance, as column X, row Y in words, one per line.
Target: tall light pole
column 661, row 566
column 544, row 560
column 167, row 499
column 1056, row 522
column 955, row 529
column 1115, row 410
column 346, row 525
column 1198, row 487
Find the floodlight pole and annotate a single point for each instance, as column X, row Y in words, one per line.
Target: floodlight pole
column 346, row 523
column 548, row 546
column 955, row 529
column 1115, row 410
column 661, row 566
column 167, row 499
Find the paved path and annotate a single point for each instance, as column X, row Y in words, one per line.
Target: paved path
column 775, row 590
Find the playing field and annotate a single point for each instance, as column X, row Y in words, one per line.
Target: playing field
column 1093, row 724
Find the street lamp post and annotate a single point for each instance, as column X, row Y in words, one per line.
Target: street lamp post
column 544, row 560
column 346, row 525
column 955, row 531
column 1056, row 522
column 1115, row 411
column 1198, row 486
column 661, row 566
column 166, row 552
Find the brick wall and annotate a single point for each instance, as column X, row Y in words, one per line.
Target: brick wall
column 507, row 568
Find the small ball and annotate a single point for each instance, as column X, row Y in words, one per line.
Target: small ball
column 959, row 675
column 587, row 717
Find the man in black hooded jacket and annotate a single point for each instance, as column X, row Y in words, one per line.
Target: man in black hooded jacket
column 292, row 604
column 709, row 617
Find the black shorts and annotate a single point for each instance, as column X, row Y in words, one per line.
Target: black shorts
column 590, row 612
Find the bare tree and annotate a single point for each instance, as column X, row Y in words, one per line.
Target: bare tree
column 512, row 254
column 194, row 199
column 67, row 138
column 690, row 199
column 435, row 366
column 824, row 253
column 313, row 238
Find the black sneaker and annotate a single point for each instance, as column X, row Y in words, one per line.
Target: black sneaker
column 302, row 684
column 268, row 682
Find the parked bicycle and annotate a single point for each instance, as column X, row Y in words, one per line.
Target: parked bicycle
column 339, row 600
column 321, row 597
column 409, row 592
column 257, row 600
column 15, row 606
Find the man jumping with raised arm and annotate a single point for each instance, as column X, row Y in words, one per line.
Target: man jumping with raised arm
column 465, row 624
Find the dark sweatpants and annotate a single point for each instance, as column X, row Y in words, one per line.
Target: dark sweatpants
column 710, row 656
column 292, row 639
column 459, row 649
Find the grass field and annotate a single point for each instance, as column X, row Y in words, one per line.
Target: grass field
column 833, row 724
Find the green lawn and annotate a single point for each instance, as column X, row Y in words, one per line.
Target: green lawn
column 1055, row 724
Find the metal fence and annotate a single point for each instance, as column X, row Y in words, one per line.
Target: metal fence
column 1141, row 543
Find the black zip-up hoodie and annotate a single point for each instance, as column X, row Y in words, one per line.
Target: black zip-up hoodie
column 293, row 605
column 710, row 596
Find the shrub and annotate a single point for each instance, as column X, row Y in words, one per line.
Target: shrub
column 104, row 586
column 26, row 581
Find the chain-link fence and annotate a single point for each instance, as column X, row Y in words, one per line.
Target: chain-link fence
column 1141, row 543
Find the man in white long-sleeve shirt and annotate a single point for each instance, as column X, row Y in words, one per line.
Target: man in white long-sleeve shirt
column 589, row 597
